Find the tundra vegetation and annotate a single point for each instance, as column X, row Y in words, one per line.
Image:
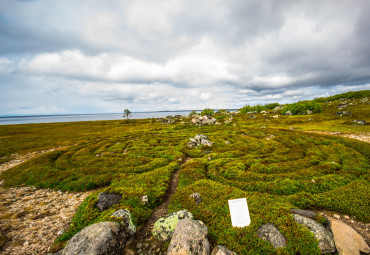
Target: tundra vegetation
column 270, row 160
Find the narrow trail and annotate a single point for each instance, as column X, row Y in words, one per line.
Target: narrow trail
column 143, row 236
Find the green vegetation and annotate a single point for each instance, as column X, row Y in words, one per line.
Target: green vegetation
column 303, row 107
column 347, row 95
column 208, row 112
column 258, row 108
column 276, row 168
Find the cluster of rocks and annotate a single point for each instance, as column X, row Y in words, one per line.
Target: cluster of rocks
column 186, row 235
column 203, row 120
column 360, row 122
column 343, row 113
column 337, row 236
column 198, row 140
column 170, row 119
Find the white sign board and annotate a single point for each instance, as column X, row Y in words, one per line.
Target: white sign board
column 239, row 212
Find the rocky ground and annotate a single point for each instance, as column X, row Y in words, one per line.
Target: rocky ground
column 30, row 218
column 362, row 136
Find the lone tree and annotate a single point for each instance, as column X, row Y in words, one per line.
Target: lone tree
column 126, row 114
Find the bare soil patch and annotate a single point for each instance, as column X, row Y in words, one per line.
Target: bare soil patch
column 30, row 218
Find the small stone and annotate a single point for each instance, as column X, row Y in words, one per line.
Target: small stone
column 306, row 213
column 346, row 216
column 197, row 198
column 106, row 200
column 144, row 200
column 336, row 216
column 138, row 246
column 222, row 250
column 146, row 245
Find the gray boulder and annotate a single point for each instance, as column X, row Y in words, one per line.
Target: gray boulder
column 323, row 236
column 197, row 198
column 271, row 234
column 106, row 200
column 144, row 200
column 125, row 220
column 305, row 213
column 164, row 227
column 190, row 237
column 98, row 239
column 222, row 250
column 288, row 113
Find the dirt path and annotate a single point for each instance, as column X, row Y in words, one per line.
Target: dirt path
column 30, row 218
column 362, row 136
column 143, row 242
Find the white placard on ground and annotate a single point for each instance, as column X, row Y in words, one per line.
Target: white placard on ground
column 239, row 212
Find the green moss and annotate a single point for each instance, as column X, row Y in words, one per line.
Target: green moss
column 276, row 168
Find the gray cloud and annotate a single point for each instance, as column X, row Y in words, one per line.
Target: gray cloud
column 178, row 54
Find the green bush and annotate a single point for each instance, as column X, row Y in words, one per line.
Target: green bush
column 303, row 107
column 208, row 112
column 258, row 108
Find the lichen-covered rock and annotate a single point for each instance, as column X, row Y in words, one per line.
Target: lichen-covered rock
column 125, row 220
column 347, row 240
column 222, row 250
column 98, row 239
column 305, row 213
column 197, row 198
column 106, row 200
column 323, row 236
column 164, row 227
column 190, row 237
column 271, row 234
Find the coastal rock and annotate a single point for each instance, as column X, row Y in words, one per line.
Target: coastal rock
column 106, row 200
column 222, row 250
column 347, row 240
column 190, row 237
column 197, row 198
column 324, row 237
column 164, row 227
column 305, row 213
column 125, row 220
column 98, row 239
column 271, row 234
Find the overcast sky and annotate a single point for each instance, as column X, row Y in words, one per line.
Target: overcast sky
column 93, row 56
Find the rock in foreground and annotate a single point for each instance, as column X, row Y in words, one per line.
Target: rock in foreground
column 190, row 237
column 347, row 240
column 222, row 250
column 324, row 237
column 104, row 238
